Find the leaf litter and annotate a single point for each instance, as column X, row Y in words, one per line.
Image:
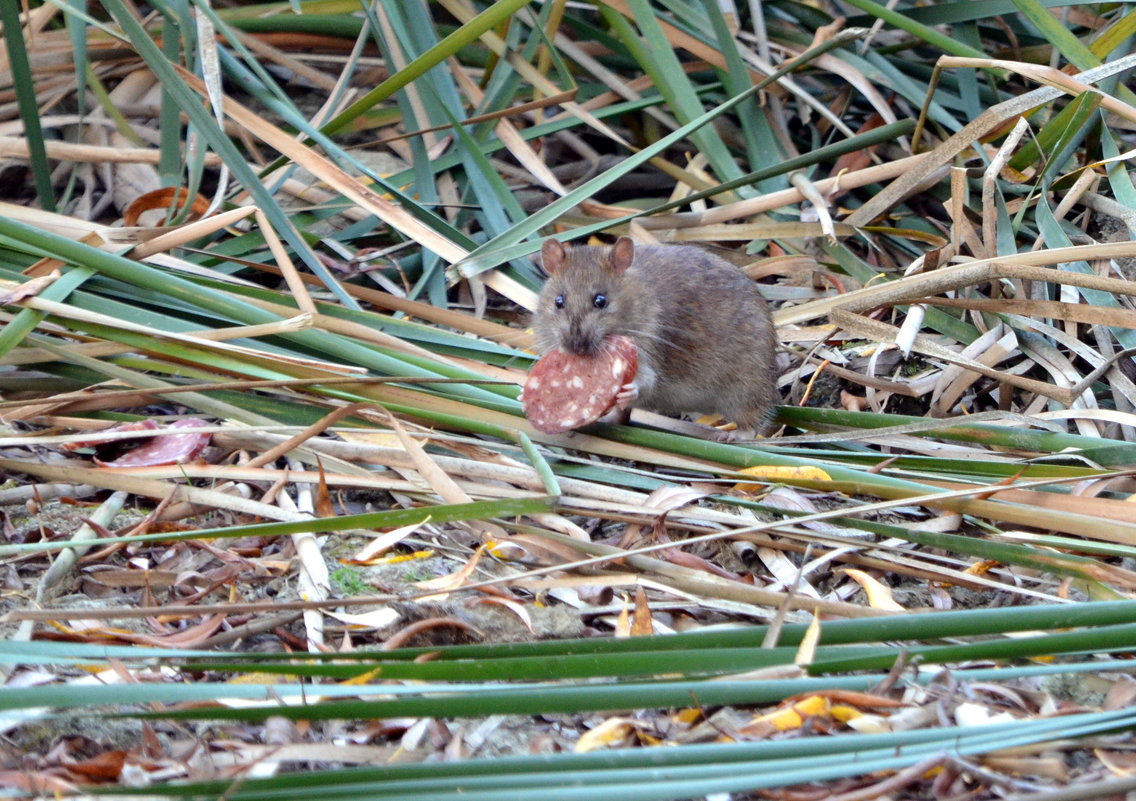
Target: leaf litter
column 363, row 512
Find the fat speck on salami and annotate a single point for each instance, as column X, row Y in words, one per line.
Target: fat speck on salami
column 565, row 391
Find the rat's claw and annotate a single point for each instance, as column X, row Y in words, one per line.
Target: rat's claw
column 627, row 395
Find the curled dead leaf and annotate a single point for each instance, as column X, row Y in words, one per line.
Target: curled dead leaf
column 162, row 200
column 27, row 289
column 613, row 731
column 879, row 595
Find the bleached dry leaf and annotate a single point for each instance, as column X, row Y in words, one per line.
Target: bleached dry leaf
column 970, row 714
column 508, row 551
column 870, row 724
column 516, row 608
column 10, row 294
column 383, row 543
column 990, row 349
column 381, row 618
column 786, row 573
column 913, row 717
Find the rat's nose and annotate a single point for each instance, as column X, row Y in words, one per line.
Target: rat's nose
column 580, row 342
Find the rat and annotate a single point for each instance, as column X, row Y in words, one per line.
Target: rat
column 705, row 339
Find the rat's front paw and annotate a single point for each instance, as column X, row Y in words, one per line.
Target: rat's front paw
column 734, row 435
column 627, row 395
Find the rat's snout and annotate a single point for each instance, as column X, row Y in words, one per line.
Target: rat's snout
column 577, row 343
column 581, row 338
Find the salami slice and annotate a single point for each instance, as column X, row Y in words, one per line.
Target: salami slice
column 170, row 449
column 565, row 391
column 97, row 438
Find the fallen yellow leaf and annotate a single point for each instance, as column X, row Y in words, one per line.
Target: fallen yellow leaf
column 791, row 717
column 688, row 716
column 389, row 560
column 781, row 719
column 845, row 713
column 813, row 705
column 879, row 595
column 363, row 678
column 981, row 568
column 611, row 732
column 807, row 649
column 772, row 473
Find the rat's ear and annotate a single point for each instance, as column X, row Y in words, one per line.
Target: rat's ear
column 622, row 254
column 552, row 256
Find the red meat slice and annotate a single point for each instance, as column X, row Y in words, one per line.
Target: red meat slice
column 171, row 449
column 98, row 439
column 565, row 391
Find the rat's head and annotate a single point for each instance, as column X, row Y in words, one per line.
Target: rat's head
column 588, row 296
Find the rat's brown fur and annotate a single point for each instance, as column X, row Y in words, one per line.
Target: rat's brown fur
column 705, row 338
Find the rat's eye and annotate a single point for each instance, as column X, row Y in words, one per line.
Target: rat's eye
column 559, row 301
column 600, row 300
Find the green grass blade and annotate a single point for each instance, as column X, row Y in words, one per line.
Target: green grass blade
column 1064, row 42
column 27, row 102
column 488, row 19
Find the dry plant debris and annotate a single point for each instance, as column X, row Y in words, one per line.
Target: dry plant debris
column 271, row 504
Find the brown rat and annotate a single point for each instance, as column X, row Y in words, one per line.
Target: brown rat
column 705, row 338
